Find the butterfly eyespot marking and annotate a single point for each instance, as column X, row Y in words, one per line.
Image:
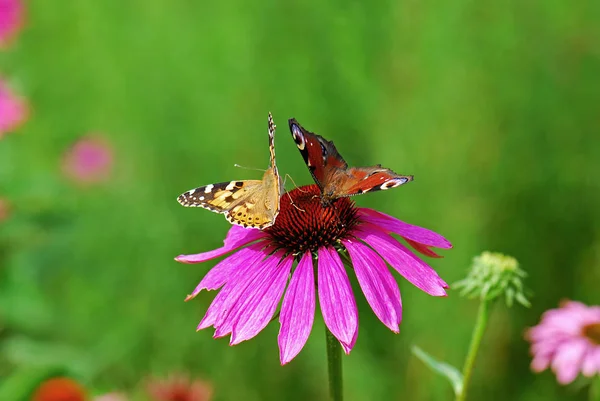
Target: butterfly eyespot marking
column 393, row 183
column 298, row 138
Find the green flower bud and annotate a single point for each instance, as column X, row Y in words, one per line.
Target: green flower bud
column 492, row 275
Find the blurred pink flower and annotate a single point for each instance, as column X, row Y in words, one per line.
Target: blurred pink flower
column 13, row 110
column 11, row 19
column 89, row 160
column 111, row 397
column 179, row 388
column 568, row 341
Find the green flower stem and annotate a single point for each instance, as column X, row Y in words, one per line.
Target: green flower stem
column 334, row 362
column 482, row 318
column 595, row 389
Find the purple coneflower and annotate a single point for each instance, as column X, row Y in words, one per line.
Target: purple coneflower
column 11, row 19
column 568, row 341
column 13, row 110
column 179, row 388
column 88, row 161
column 254, row 278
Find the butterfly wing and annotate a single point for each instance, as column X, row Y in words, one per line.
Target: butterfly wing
column 330, row 171
column 320, row 155
column 360, row 180
column 245, row 203
column 249, row 203
column 260, row 207
column 220, row 197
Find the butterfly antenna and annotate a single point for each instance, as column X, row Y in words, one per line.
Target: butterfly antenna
column 249, row 168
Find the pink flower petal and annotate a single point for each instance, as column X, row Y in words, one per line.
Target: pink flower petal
column 297, row 311
column 563, row 321
column 242, row 293
column 548, row 346
column 413, row 233
column 596, row 357
column 377, row 283
column 567, row 361
column 347, row 348
column 539, row 363
column 404, row 261
column 572, row 305
column 424, row 249
column 236, row 238
column 226, row 269
column 591, row 362
column 229, row 294
column 335, row 296
column 545, row 332
column 260, row 302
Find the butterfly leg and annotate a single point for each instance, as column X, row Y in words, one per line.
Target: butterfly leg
column 293, row 204
column 288, row 194
column 294, row 182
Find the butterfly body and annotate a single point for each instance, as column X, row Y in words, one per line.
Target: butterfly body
column 331, row 172
column 248, row 203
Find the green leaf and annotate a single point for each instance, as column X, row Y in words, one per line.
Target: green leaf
column 21, row 383
column 23, row 351
column 448, row 371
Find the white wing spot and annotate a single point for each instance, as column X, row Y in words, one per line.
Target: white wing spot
column 393, row 184
column 230, row 186
column 201, row 198
column 299, row 139
column 208, row 188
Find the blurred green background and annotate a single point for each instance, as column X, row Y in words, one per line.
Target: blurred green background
column 493, row 106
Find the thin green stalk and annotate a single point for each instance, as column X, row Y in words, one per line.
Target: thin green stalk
column 480, row 324
column 334, row 363
column 594, row 394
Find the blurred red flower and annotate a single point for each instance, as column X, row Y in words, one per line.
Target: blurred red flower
column 59, row 389
column 179, row 388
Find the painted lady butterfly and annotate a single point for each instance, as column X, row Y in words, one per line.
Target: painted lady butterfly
column 248, row 203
